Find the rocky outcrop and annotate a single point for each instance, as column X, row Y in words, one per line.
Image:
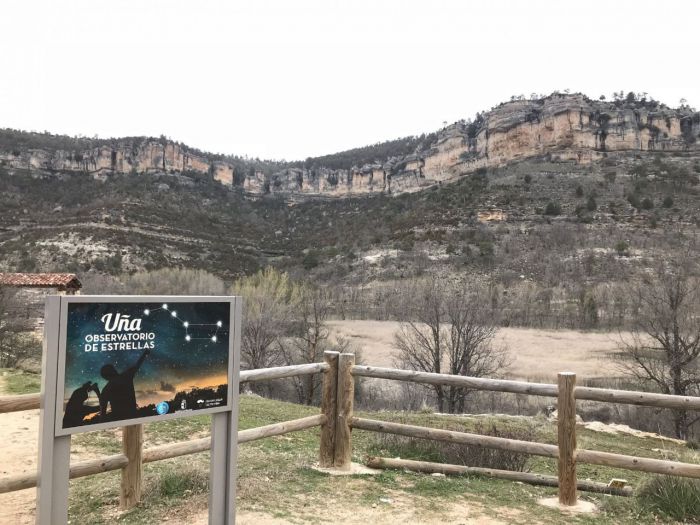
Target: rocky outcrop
column 222, row 173
column 142, row 156
column 562, row 127
column 396, row 175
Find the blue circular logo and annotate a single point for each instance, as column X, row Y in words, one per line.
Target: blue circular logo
column 162, row 408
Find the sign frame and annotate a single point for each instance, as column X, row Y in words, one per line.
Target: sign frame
column 67, row 300
column 54, row 441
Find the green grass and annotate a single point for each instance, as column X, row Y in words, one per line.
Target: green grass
column 275, row 475
column 276, row 478
column 676, row 498
column 20, row 382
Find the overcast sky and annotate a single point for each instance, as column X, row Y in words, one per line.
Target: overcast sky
column 291, row 79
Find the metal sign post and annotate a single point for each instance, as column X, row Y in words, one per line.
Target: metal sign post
column 115, row 349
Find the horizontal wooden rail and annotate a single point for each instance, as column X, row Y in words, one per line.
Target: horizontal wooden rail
column 95, row 466
column 174, row 450
column 279, row 372
column 451, row 436
column 656, row 466
column 628, row 397
column 593, row 457
column 277, row 429
column 79, row 469
column 476, row 383
column 19, row 403
column 524, row 477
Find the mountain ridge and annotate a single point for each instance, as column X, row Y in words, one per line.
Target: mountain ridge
column 561, row 126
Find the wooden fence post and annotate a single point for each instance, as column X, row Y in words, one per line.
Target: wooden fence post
column 329, row 396
column 346, row 393
column 132, row 473
column 566, row 423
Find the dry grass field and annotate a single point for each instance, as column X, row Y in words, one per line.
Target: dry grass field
column 536, row 355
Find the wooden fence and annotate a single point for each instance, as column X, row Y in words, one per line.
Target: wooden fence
column 133, row 455
column 565, row 452
column 337, row 420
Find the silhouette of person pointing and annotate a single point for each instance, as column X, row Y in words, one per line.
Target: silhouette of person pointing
column 119, row 391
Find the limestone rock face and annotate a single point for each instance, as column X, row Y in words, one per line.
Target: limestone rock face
column 565, row 127
column 223, row 173
column 147, row 156
column 560, row 126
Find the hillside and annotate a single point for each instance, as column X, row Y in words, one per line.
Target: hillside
column 549, row 232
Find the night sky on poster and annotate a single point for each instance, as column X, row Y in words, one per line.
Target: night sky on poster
column 186, row 366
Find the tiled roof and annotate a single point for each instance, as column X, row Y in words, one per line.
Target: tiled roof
column 39, row 279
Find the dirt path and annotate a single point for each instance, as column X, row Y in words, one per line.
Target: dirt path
column 19, row 437
column 400, row 510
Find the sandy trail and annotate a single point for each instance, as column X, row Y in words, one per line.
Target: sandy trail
column 19, row 433
column 536, row 354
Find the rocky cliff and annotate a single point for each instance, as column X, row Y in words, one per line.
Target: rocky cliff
column 562, row 127
column 123, row 156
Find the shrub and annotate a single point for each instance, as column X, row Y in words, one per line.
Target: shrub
column 179, row 482
column 111, row 264
column 633, row 199
column 552, row 208
column 668, row 201
column 179, row 281
column 579, row 191
column 310, row 260
column 591, row 204
column 528, row 178
column 622, row 248
column 693, row 444
column 457, row 454
column 647, row 203
column 16, row 348
column 486, row 248
column 678, row 498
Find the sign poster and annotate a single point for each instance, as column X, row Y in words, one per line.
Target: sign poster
column 125, row 361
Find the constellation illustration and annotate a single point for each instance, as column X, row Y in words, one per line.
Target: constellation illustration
column 186, row 324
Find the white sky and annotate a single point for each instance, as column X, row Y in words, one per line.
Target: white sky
column 291, row 79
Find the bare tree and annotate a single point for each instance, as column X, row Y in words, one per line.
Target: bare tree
column 270, row 300
column 16, row 341
column 451, row 331
column 663, row 348
column 310, row 338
